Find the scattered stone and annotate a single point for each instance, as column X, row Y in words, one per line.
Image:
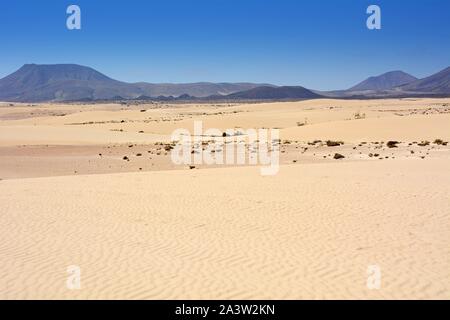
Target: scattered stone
column 338, row 156
column 334, row 143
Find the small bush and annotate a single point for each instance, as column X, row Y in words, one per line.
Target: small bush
column 392, row 144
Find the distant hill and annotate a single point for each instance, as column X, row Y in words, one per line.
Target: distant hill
column 438, row 83
column 199, row 90
column 60, row 82
column 63, row 82
column 274, row 93
column 385, row 81
column 70, row 82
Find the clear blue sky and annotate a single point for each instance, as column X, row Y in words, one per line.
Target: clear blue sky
column 320, row 44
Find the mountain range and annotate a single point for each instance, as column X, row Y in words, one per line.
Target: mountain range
column 385, row 81
column 70, row 82
column 437, row 83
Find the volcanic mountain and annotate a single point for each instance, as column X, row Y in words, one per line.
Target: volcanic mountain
column 385, row 81
column 438, row 83
column 63, row 82
column 70, row 82
column 274, row 93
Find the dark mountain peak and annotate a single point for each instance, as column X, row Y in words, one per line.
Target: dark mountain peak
column 35, row 82
column 438, row 83
column 70, row 82
column 53, row 72
column 385, row 81
column 273, row 93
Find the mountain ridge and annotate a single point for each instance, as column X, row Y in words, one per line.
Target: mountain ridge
column 72, row 82
column 436, row 83
column 384, row 81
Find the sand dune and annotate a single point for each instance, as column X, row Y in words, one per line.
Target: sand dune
column 308, row 233
column 140, row 230
column 413, row 128
column 59, row 135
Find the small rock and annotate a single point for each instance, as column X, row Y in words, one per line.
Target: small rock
column 392, row 144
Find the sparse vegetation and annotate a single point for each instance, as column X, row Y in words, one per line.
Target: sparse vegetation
column 359, row 116
column 168, row 147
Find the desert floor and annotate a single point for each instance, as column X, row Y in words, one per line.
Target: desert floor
column 94, row 186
